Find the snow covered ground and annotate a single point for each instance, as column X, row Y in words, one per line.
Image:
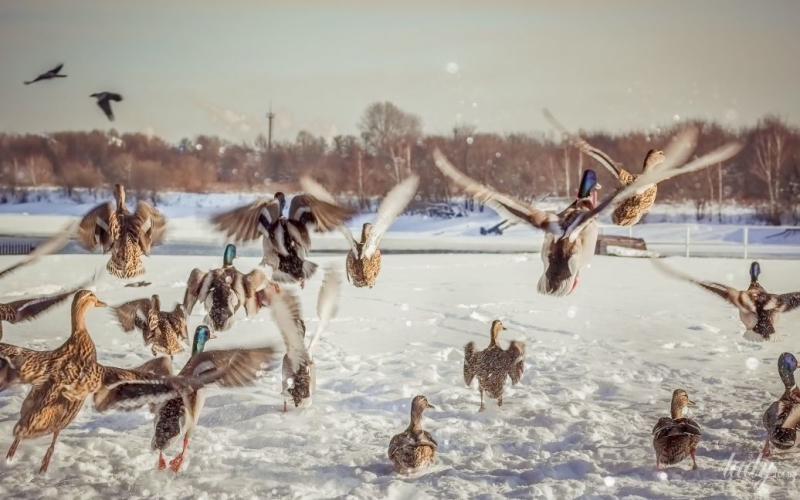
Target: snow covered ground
column 600, row 369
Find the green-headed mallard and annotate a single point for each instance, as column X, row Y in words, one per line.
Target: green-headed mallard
column 364, row 258
column 224, row 291
column 676, row 437
column 299, row 379
column 759, row 310
column 286, row 241
column 161, row 329
column 492, row 365
column 782, row 418
column 127, row 235
column 177, row 407
column 414, row 448
column 571, row 235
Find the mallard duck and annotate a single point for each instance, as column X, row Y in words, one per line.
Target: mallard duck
column 414, row 448
column 788, row 403
column 177, row 410
column 160, row 328
column 299, row 379
column 631, row 209
column 225, row 290
column 127, row 235
column 364, row 258
column 676, row 437
column 759, row 310
column 286, row 241
column 48, row 75
column 493, row 364
column 571, row 235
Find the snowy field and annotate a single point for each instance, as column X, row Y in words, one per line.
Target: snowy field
column 600, row 369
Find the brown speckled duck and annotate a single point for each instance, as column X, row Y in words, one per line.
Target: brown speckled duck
column 363, row 262
column 676, row 437
column 632, row 208
column 127, row 235
column 759, row 310
column 413, row 448
column 161, row 329
column 492, row 365
column 225, row 290
column 299, row 373
column 286, row 241
column 782, row 418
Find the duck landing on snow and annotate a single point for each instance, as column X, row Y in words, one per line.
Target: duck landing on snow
column 676, row 437
column 493, row 364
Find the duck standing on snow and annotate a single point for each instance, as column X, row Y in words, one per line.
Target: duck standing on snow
column 571, row 235
column 781, row 420
column 177, row 408
column 49, row 75
column 493, row 364
column 104, row 102
column 225, row 290
column 127, row 235
column 759, row 310
column 286, row 241
column 633, row 208
column 676, row 437
column 299, row 373
column 364, row 259
column 414, row 448
column 160, row 328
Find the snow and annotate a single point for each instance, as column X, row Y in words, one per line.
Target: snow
column 600, row 369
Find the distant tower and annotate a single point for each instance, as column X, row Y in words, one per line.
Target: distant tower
column 270, row 116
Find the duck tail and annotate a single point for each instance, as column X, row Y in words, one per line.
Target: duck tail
column 309, row 268
column 469, row 370
column 126, row 261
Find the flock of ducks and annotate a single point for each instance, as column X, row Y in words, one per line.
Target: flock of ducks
column 62, row 379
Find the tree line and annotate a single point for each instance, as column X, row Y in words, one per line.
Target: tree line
column 766, row 174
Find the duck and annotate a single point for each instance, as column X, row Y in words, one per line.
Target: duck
column 759, row 310
column 492, row 365
column 632, row 208
column 177, row 409
column 414, row 448
column 126, row 235
column 49, row 75
column 363, row 262
column 780, row 433
column 161, row 329
column 225, row 290
column 61, row 379
column 286, row 241
column 676, row 437
column 104, row 102
column 298, row 371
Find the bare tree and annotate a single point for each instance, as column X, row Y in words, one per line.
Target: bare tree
column 388, row 132
column 771, row 154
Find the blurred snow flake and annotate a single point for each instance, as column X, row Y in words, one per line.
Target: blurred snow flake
column 610, row 481
column 451, row 68
column 572, row 312
column 676, row 117
column 662, row 476
column 404, row 307
column 470, row 140
column 752, row 363
column 408, row 323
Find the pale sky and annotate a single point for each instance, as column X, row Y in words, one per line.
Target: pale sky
column 202, row 66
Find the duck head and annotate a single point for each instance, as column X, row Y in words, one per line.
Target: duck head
column 787, row 364
column 84, row 299
column 119, row 194
column 229, row 255
column 497, row 327
column 201, row 335
column 755, row 271
column 652, row 158
column 281, row 200
column 418, row 405
column 588, row 182
column 365, row 230
column 680, row 402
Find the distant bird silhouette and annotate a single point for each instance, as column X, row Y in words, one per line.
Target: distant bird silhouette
column 53, row 73
column 103, row 100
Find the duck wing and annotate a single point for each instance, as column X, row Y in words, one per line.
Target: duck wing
column 253, row 289
column 151, row 224
column 15, row 370
column 667, row 427
column 469, row 363
column 30, row 308
column 327, row 304
column 516, row 352
column 286, row 313
column 740, row 299
column 196, row 287
column 99, row 228
column 317, row 206
column 248, row 222
column 396, row 200
column 785, row 302
column 133, row 314
column 512, row 207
